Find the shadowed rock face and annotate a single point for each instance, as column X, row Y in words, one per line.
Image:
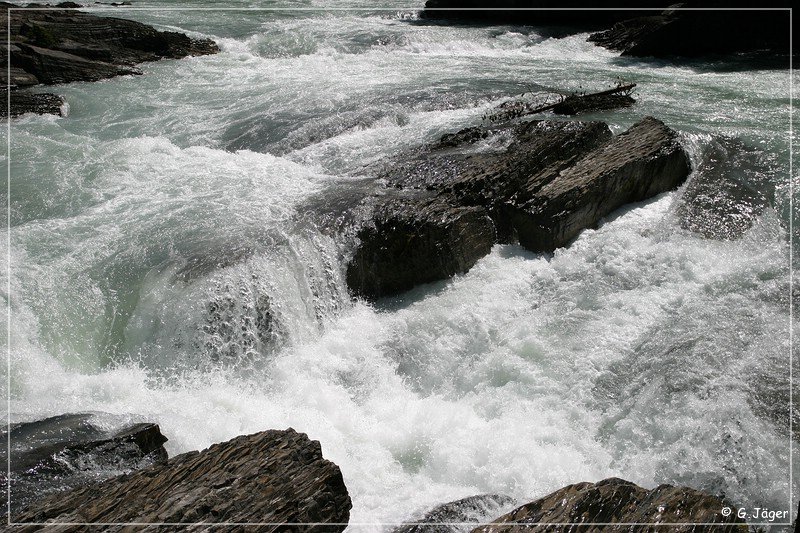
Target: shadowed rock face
column 25, row 102
column 69, row 451
column 273, row 477
column 614, row 501
column 443, row 518
column 638, row 164
column 414, row 241
column 698, row 33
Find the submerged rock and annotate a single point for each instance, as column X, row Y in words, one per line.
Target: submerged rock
column 62, row 45
column 732, row 187
column 473, row 509
column 549, row 182
column 273, row 477
column 616, row 501
column 68, row 451
column 551, row 209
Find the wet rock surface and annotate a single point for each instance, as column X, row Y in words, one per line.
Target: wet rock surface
column 613, row 501
column 443, row 208
column 27, row 102
column 574, row 104
column 692, row 33
column 68, row 451
column 413, row 241
column 273, row 477
column 456, row 516
column 551, row 209
column 734, row 185
column 53, row 45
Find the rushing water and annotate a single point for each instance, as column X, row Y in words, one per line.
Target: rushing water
column 157, row 229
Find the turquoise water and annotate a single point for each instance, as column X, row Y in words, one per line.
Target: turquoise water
column 152, row 227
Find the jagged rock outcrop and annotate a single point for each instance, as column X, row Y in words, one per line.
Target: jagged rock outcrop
column 648, row 28
column 68, row 451
column 615, row 501
column 445, row 207
column 578, row 15
column 692, row 33
column 272, row 477
column 473, row 509
column 551, row 208
column 63, row 45
column 28, row 102
column 415, row 241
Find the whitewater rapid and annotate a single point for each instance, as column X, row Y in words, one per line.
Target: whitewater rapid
column 154, row 227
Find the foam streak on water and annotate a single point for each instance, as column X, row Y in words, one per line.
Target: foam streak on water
column 164, row 269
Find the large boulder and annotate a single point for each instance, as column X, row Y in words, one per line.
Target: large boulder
column 615, row 501
column 273, row 477
column 551, row 209
column 410, row 242
column 692, row 33
column 72, row 450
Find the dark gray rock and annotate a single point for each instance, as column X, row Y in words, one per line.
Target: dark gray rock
column 616, row 501
column 471, row 510
column 446, row 206
column 733, row 185
column 15, row 76
column 274, row 477
column 579, row 14
column 490, row 180
column 69, row 451
column 64, row 45
column 27, row 102
column 692, row 33
column 411, row 241
column 552, row 208
column 574, row 104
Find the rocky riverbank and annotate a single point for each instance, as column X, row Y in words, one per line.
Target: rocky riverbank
column 646, row 29
column 269, row 478
column 59, row 44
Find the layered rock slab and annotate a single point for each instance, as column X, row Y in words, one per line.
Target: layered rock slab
column 61, row 45
column 72, row 450
column 606, row 505
column 638, row 164
column 416, row 241
column 269, row 478
column 450, row 517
